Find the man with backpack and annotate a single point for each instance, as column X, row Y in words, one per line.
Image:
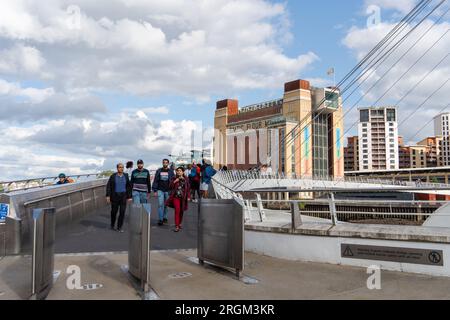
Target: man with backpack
column 207, row 173
column 194, row 180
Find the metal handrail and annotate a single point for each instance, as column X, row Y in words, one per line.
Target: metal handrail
column 25, row 204
column 49, row 178
column 233, row 176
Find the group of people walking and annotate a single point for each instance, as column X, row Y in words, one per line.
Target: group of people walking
column 174, row 188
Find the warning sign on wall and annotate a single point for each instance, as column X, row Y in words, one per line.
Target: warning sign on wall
column 393, row 254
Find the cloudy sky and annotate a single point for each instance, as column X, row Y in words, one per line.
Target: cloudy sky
column 85, row 84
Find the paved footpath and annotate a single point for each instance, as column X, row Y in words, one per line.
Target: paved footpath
column 92, row 234
column 175, row 276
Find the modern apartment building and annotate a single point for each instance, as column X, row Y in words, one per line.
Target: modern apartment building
column 351, row 154
column 378, row 138
column 433, row 152
column 300, row 133
column 441, row 129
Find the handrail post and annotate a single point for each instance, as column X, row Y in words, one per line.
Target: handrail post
column 295, row 216
column 333, row 213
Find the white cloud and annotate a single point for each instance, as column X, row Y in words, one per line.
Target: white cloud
column 73, row 146
column 157, row 110
column 191, row 48
column 21, row 60
column 33, row 104
column 32, row 95
column 188, row 48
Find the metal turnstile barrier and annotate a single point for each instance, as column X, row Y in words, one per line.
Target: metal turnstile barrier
column 221, row 234
column 44, row 222
column 139, row 246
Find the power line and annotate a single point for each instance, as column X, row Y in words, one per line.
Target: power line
column 409, row 17
column 426, row 124
column 409, row 33
column 382, row 59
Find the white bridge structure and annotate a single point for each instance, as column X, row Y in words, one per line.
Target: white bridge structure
column 228, row 183
column 319, row 228
column 278, row 188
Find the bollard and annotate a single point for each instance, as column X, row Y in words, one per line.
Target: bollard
column 295, row 216
column 139, row 246
column 262, row 213
column 44, row 223
column 13, row 232
column 333, row 213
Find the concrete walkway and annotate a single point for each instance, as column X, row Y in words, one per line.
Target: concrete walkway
column 93, row 234
column 175, row 276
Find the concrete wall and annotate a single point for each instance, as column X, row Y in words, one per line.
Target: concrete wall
column 328, row 250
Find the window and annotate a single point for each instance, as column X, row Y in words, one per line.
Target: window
column 364, row 116
column 366, row 167
column 365, row 156
column 364, row 125
column 390, row 115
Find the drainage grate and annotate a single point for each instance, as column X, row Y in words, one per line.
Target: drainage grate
column 180, row 275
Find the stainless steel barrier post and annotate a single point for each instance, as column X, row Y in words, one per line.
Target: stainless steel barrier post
column 262, row 213
column 13, row 238
column 44, row 223
column 333, row 213
column 296, row 217
column 139, row 247
column 221, row 234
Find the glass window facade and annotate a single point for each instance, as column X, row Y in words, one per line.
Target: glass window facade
column 390, row 115
column 364, row 116
column 283, row 151
column 320, row 145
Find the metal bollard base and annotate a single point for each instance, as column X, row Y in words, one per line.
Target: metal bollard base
column 148, row 294
column 236, row 274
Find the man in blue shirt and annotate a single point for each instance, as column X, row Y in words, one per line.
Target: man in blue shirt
column 118, row 192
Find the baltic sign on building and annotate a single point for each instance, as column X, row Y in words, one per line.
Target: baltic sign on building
column 4, row 211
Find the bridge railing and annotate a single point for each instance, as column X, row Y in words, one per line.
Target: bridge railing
column 33, row 183
column 71, row 201
column 350, row 211
column 228, row 177
column 230, row 184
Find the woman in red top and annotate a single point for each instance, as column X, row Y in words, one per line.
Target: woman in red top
column 179, row 196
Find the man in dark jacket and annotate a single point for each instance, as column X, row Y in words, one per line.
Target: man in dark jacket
column 141, row 182
column 161, row 187
column 118, row 192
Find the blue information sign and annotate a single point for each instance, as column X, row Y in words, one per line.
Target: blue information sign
column 4, row 211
